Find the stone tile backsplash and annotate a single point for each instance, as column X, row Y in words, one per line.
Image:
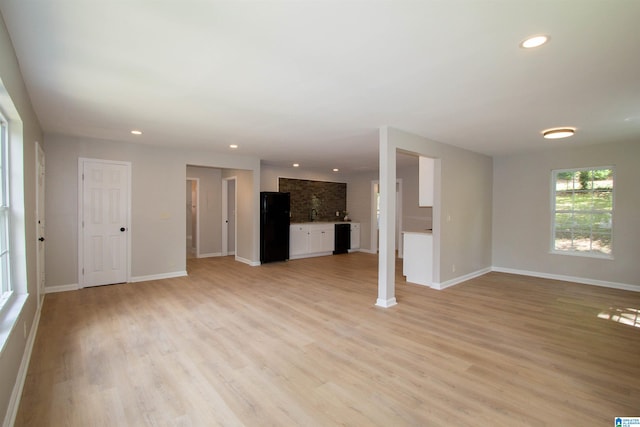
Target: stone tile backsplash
column 315, row 200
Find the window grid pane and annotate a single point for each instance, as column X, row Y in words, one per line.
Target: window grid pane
column 5, row 276
column 583, row 211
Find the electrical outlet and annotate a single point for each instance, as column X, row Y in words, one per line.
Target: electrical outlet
column 453, row 268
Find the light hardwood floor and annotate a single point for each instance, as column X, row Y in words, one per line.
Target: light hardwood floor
column 301, row 343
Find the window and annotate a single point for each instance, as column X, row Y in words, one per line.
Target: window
column 583, row 211
column 5, row 281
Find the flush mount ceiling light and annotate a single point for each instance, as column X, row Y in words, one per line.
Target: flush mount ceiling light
column 296, row 165
column 336, row 170
column 557, row 133
column 136, row 132
column 534, row 41
column 233, row 146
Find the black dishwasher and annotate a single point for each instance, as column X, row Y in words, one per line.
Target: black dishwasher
column 342, row 239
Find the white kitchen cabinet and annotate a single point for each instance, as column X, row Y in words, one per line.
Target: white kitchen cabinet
column 298, row 240
column 321, row 238
column 417, row 263
column 355, row 235
column 311, row 239
column 426, row 176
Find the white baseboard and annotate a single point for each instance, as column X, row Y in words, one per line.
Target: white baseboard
column 210, row 255
column 313, row 255
column 60, row 288
column 158, row 276
column 386, row 303
column 460, row 279
column 582, row 280
column 368, row 251
column 248, row 261
column 16, row 394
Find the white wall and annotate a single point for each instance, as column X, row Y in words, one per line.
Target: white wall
column 414, row 217
column 209, row 208
column 12, row 86
column 269, row 176
column 360, row 203
column 247, row 210
column 158, row 197
column 522, row 212
column 464, row 196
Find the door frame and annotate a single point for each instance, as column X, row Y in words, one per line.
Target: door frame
column 40, row 221
column 81, row 163
column 225, row 214
column 197, row 225
column 374, row 243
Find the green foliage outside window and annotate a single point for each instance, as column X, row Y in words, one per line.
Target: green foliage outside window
column 583, row 211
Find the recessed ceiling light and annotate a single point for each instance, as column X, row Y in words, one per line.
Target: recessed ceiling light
column 557, row 133
column 296, row 165
column 233, row 146
column 336, row 170
column 534, row 41
column 136, row 132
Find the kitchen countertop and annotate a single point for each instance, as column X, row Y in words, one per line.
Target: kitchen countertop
column 321, row 222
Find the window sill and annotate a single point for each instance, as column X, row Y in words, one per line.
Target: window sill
column 582, row 254
column 9, row 317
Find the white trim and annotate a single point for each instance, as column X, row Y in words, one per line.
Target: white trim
column 386, row 303
column 81, row 162
column 161, row 276
column 373, row 240
column 197, row 231
column 460, row 279
column 210, row 255
column 225, row 214
column 581, row 254
column 61, row 288
column 40, row 274
column 554, row 179
column 16, row 394
column 247, row 261
column 313, row 255
column 367, row 251
column 374, row 218
column 582, row 280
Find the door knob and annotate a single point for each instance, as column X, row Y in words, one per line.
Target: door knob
column 41, row 239
column 122, row 229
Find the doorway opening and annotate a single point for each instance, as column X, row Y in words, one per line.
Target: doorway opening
column 193, row 217
column 40, row 225
column 375, row 217
column 229, row 202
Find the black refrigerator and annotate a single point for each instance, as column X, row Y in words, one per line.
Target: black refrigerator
column 274, row 226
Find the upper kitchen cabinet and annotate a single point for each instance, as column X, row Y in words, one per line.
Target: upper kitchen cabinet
column 426, row 177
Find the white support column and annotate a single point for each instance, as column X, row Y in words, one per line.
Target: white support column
column 386, row 257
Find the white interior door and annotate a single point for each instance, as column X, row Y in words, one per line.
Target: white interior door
column 229, row 216
column 189, row 221
column 40, row 220
column 105, row 222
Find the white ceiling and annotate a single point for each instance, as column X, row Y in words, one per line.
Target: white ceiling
column 311, row 81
